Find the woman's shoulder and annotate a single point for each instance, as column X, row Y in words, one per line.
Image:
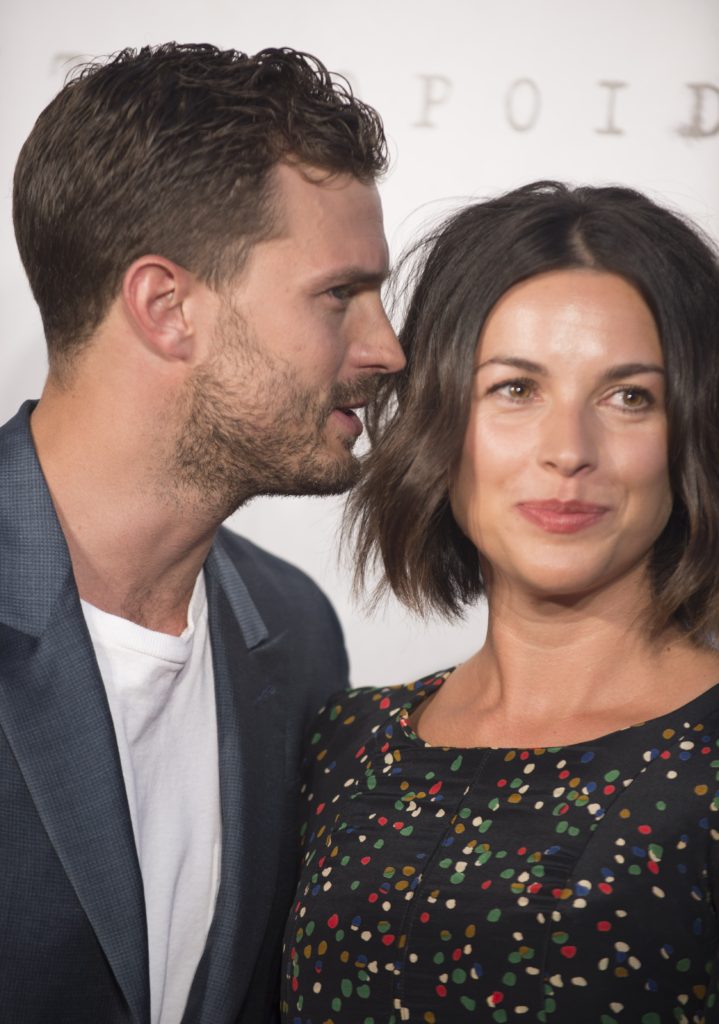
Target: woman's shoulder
column 360, row 711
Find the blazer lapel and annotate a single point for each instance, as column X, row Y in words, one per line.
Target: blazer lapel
column 55, row 715
column 248, row 666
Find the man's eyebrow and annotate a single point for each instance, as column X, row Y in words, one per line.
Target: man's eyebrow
column 354, row 275
column 612, row 374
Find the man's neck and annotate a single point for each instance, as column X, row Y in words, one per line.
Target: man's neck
column 135, row 551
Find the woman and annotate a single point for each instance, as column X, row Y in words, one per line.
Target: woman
column 534, row 834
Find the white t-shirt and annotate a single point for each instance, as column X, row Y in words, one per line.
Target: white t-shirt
column 161, row 694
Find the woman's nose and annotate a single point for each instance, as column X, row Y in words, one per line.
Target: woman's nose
column 567, row 441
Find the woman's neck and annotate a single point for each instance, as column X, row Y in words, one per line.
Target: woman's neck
column 560, row 671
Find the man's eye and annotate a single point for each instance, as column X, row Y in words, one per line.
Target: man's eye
column 341, row 292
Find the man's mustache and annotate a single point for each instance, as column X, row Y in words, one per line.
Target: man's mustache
column 354, row 393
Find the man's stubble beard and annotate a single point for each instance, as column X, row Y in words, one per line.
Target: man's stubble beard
column 270, row 438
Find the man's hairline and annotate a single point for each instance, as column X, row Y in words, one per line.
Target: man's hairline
column 62, row 363
column 271, row 196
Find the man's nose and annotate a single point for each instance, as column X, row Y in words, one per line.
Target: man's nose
column 378, row 349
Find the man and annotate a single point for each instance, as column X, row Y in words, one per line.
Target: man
column 203, row 236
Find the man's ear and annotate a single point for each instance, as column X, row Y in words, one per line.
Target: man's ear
column 155, row 294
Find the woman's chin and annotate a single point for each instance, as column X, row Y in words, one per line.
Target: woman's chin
column 567, row 586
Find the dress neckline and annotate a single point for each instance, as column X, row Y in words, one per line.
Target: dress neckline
column 692, row 712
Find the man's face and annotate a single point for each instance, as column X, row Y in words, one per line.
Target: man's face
column 300, row 340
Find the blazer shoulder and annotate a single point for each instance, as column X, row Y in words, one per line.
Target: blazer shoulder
column 285, row 596
column 262, row 570
column 291, row 604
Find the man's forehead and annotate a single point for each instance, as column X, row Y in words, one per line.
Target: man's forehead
column 303, row 192
column 334, row 220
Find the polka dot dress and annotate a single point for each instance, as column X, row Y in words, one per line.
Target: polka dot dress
column 569, row 884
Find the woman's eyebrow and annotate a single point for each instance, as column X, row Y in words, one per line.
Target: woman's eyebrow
column 516, row 362
column 631, row 370
column 613, row 374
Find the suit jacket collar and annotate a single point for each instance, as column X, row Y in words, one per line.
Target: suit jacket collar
column 54, row 711
column 220, row 568
column 33, row 554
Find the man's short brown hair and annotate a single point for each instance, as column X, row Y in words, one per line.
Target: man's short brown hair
column 168, row 150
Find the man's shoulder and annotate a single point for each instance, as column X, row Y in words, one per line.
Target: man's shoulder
column 260, row 569
column 15, row 438
column 286, row 598
column 246, row 554
column 296, row 615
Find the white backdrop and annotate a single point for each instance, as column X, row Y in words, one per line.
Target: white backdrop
column 477, row 97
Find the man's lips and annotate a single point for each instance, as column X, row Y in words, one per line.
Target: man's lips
column 562, row 516
column 350, row 396
column 346, row 416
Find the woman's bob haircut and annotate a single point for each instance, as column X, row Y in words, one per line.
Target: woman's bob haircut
column 400, row 512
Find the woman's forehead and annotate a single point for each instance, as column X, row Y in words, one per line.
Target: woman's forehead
column 571, row 315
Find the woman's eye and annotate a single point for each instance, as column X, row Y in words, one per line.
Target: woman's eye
column 632, row 399
column 516, row 390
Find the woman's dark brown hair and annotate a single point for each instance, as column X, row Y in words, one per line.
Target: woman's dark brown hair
column 400, row 512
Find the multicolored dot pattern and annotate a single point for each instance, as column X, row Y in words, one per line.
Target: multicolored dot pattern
column 564, row 885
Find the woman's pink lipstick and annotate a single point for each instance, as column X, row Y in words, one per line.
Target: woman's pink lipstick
column 562, row 516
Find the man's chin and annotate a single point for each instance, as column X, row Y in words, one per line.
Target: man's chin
column 331, row 483
column 332, row 477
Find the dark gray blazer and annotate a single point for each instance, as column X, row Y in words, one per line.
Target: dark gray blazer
column 73, row 936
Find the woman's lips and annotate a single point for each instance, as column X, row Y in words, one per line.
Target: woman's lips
column 562, row 516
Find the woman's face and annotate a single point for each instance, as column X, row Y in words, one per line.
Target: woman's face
column 563, row 483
